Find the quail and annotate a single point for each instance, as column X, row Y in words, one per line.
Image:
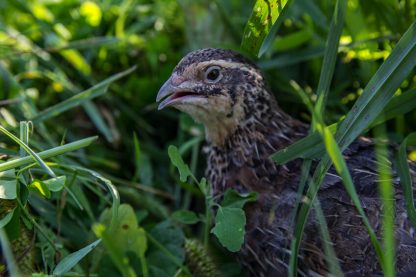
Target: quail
column 228, row 94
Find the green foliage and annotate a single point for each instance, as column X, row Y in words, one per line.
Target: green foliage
column 86, row 73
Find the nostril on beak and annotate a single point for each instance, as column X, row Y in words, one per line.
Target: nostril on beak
column 177, row 80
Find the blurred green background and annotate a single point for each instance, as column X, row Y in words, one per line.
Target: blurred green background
column 51, row 50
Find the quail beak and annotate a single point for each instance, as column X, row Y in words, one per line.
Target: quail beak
column 175, row 92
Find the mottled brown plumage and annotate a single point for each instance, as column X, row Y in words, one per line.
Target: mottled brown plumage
column 244, row 126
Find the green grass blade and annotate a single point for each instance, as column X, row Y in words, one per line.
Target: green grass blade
column 386, row 191
column 398, row 105
column 403, row 171
column 8, row 254
column 98, row 120
column 32, row 154
column 331, row 51
column 310, row 147
column 262, row 20
column 56, row 151
column 330, row 255
column 80, row 98
column 293, row 57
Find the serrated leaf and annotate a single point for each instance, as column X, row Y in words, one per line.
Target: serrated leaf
column 185, row 217
column 72, row 259
column 229, row 227
column 233, row 199
column 8, row 184
column 177, row 161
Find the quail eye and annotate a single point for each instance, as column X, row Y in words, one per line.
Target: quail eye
column 213, row 74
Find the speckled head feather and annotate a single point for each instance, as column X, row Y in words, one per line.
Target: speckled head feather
column 219, row 88
column 211, row 54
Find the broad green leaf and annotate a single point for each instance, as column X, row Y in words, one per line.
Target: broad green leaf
column 55, row 184
column 72, row 259
column 178, row 162
column 185, row 217
column 8, row 184
column 405, row 177
column 229, row 227
column 117, row 256
column 233, row 199
column 260, row 23
column 126, row 234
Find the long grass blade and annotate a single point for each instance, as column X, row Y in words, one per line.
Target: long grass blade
column 8, row 254
column 80, row 98
column 26, row 148
column 56, row 151
column 403, row 171
column 386, row 191
column 331, row 51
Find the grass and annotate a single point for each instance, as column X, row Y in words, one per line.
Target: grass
column 85, row 75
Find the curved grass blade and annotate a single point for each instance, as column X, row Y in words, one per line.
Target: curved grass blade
column 33, row 155
column 56, row 151
column 403, row 171
column 80, row 98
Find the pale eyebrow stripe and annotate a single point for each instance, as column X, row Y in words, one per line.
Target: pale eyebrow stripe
column 227, row 64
